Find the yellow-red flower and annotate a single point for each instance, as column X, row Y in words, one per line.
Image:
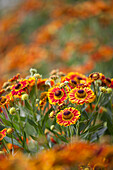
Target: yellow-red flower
column 81, row 95
column 68, row 116
column 41, row 84
column 79, row 78
column 19, row 87
column 2, row 133
column 56, row 95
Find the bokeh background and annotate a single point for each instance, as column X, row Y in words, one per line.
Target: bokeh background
column 69, row 35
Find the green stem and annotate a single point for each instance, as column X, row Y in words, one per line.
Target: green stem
column 96, row 109
column 12, row 144
column 77, row 128
column 12, row 124
column 71, row 133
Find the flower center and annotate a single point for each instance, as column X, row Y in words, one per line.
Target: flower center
column 81, row 93
column 67, row 115
column 94, row 76
column 58, row 93
column 79, row 78
column 108, row 80
column 74, row 82
column 2, row 99
column 17, row 86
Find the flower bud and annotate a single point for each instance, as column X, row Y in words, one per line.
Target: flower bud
column 37, row 76
column 6, row 84
column 52, row 114
column 52, row 127
column 24, row 97
column 10, row 131
column 66, row 82
column 54, row 77
column 12, row 110
column 48, row 82
column 103, row 89
column 37, row 100
column 33, row 71
column 109, row 90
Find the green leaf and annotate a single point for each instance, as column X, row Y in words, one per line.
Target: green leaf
column 31, row 95
column 34, row 137
column 99, row 133
column 29, row 129
column 36, row 126
column 46, row 116
column 5, row 121
column 28, row 106
column 15, row 142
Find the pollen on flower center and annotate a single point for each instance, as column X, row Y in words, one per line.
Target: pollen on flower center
column 108, row 80
column 17, row 86
column 81, row 93
column 95, row 76
column 67, row 115
column 79, row 78
column 74, row 82
column 2, row 99
column 58, row 93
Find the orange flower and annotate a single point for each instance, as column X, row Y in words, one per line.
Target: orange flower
column 81, row 95
column 67, row 116
column 3, row 133
column 56, row 95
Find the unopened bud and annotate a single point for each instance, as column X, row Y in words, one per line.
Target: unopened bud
column 37, row 100
column 12, row 110
column 48, row 82
column 66, row 82
column 37, row 76
column 24, row 97
column 62, row 85
column 103, row 89
column 10, row 131
column 33, row 71
column 109, row 90
column 6, row 84
column 52, row 114
column 54, row 77
column 52, row 127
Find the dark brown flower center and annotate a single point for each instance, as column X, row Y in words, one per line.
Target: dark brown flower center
column 67, row 115
column 94, row 76
column 17, row 86
column 66, row 112
column 58, row 93
column 2, row 99
column 81, row 93
column 108, row 80
column 74, row 82
column 79, row 78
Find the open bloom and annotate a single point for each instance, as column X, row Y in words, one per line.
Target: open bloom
column 81, row 95
column 56, row 95
column 68, row 116
column 19, row 87
column 2, row 133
